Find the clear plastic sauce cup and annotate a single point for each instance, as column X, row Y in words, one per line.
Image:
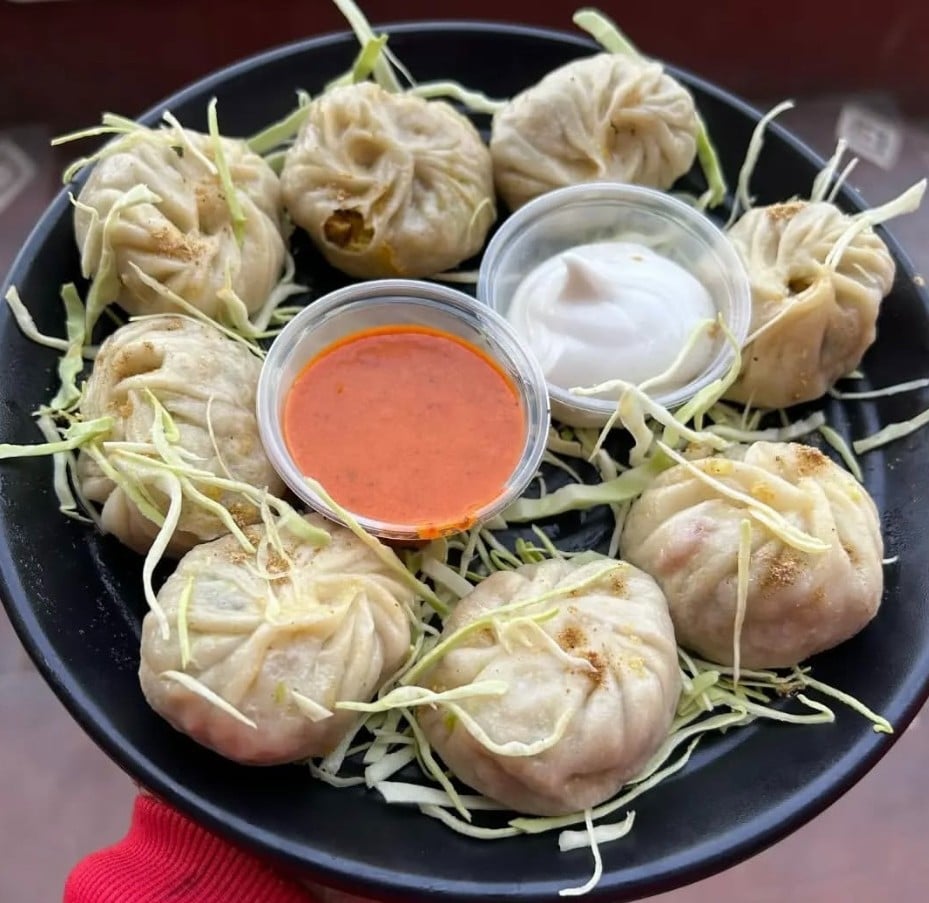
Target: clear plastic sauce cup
column 608, row 211
column 397, row 303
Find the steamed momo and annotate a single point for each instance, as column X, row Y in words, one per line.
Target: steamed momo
column 328, row 624
column 822, row 319
column 201, row 378
column 604, row 671
column 389, row 184
column 611, row 117
column 686, row 535
column 186, row 240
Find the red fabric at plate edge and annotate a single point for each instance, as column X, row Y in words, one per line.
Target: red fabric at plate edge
column 166, row 858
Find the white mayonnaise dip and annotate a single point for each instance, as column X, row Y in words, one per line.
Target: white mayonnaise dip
column 612, row 310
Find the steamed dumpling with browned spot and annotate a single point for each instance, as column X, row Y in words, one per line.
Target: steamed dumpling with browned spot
column 814, row 320
column 186, row 238
column 591, row 677
column 204, row 381
column 608, row 117
column 686, row 534
column 280, row 636
column 389, row 184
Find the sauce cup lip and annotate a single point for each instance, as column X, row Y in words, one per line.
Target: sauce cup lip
column 684, row 216
column 502, row 343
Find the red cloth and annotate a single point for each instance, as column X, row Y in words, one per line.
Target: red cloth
column 166, row 858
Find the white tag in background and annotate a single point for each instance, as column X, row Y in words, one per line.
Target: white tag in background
column 871, row 136
column 17, row 170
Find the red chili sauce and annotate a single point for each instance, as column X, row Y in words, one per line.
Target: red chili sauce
column 406, row 424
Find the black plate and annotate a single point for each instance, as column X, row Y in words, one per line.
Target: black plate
column 75, row 597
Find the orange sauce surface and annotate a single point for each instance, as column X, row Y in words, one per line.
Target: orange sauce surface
column 406, row 424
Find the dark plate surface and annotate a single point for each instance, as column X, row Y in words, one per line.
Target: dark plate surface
column 75, row 597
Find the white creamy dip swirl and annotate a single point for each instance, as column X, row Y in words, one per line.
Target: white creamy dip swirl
column 613, row 310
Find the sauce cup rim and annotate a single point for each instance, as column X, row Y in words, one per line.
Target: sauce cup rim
column 499, row 340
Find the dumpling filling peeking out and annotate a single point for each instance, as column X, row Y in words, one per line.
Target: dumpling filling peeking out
column 389, row 184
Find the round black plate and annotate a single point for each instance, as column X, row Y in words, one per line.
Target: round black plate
column 75, row 597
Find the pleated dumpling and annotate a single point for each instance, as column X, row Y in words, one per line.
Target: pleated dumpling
column 687, row 534
column 610, row 117
column 155, row 205
column 206, row 383
column 389, row 184
column 277, row 637
column 813, row 317
column 588, row 662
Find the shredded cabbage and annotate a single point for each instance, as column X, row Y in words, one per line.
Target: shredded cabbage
column 310, row 707
column 386, row 554
column 841, row 180
column 835, row 440
column 78, row 434
column 63, row 469
column 880, row 724
column 763, row 513
column 466, row 828
column 755, row 144
column 888, row 434
column 744, row 559
column 594, row 879
column 225, row 176
column 376, row 60
column 579, row 496
column 825, row 176
column 388, row 765
column 790, row 433
column 417, row 794
column 578, row 840
column 204, row 692
column 908, row 202
column 27, row 325
column 475, row 101
column 363, row 66
column 112, row 124
column 897, row 389
column 449, row 577
column 461, row 277
column 334, row 780
column 183, row 635
column 381, row 68
column 282, row 131
column 406, row 696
